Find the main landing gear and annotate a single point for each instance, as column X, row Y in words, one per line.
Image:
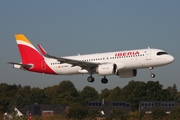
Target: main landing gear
column 152, row 74
column 90, row 79
column 103, row 80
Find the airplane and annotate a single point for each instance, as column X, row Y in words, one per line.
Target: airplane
column 121, row 63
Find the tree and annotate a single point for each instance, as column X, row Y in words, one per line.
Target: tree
column 104, row 94
column 94, row 114
column 25, row 93
column 154, row 89
column 117, row 113
column 67, row 93
column 115, row 94
column 174, row 115
column 158, row 114
column 51, row 93
column 174, row 93
column 68, row 86
column 6, row 104
column 66, row 99
column 1, row 116
column 87, row 94
column 137, row 91
column 64, row 93
column 137, row 115
column 18, row 100
column 134, row 92
column 38, row 96
column 3, row 88
column 77, row 112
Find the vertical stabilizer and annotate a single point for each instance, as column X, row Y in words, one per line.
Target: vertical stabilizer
column 27, row 51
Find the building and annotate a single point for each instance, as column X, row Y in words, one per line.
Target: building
column 45, row 110
column 106, row 106
column 149, row 106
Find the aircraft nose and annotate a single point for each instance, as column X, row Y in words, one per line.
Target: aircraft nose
column 170, row 59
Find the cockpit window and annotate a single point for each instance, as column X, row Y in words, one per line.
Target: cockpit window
column 161, row 53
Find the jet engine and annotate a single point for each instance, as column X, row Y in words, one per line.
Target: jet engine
column 107, row 69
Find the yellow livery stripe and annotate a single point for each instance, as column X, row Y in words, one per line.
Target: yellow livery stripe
column 22, row 38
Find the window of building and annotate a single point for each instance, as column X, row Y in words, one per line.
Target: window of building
column 145, row 104
column 142, row 104
column 155, row 104
column 166, row 104
column 152, row 104
column 89, row 103
column 97, row 104
column 116, row 103
column 162, row 104
column 170, row 104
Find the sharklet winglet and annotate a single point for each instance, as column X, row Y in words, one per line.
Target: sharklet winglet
column 42, row 49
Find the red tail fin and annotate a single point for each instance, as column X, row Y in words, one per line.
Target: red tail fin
column 27, row 51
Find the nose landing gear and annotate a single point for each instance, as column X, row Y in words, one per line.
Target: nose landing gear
column 152, row 74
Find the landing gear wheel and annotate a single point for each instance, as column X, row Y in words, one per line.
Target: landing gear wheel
column 104, row 80
column 90, row 79
column 152, row 75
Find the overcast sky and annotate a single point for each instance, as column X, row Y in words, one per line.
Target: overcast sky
column 70, row 27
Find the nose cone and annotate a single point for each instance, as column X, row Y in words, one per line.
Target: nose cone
column 170, row 59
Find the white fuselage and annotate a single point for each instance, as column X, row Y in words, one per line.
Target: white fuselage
column 131, row 59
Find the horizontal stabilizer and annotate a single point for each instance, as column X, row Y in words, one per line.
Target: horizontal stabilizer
column 24, row 65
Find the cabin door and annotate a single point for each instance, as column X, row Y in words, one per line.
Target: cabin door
column 148, row 54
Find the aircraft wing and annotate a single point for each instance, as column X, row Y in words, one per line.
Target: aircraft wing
column 89, row 66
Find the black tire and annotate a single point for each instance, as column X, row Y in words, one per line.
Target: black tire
column 104, row 80
column 152, row 75
column 90, row 79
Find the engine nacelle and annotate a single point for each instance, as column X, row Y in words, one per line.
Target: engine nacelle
column 83, row 71
column 127, row 73
column 107, row 69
